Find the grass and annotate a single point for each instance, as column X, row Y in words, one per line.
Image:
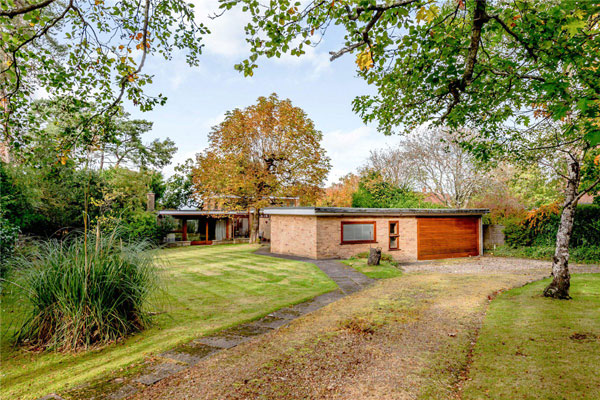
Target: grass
column 386, row 269
column 531, row 347
column 205, row 289
column 583, row 254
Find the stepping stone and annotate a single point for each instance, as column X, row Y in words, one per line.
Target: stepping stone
column 271, row 322
column 185, row 358
column 244, row 330
column 160, row 372
column 286, row 313
column 123, row 392
column 222, row 342
column 51, row 396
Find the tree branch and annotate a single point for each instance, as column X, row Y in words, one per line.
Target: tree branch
column 379, row 10
column 378, row 7
column 515, row 36
column 341, row 52
column 25, row 9
column 589, row 188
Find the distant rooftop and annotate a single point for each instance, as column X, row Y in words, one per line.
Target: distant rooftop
column 188, row 213
column 347, row 211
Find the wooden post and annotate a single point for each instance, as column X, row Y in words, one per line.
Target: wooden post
column 184, row 230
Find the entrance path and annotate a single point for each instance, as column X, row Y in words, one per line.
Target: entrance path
column 402, row 338
column 347, row 278
column 184, row 357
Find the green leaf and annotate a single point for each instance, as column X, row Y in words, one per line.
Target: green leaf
column 593, row 137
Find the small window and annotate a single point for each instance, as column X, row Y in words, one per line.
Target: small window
column 394, row 235
column 358, row 232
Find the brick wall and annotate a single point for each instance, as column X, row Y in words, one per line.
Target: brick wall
column 329, row 237
column 320, row 237
column 295, row 235
column 264, row 227
column 493, row 235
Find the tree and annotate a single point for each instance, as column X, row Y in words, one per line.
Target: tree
column 179, row 191
column 431, row 160
column 92, row 51
column 393, row 165
column 127, row 146
column 270, row 149
column 114, row 141
column 375, row 192
column 523, row 74
column 340, row 194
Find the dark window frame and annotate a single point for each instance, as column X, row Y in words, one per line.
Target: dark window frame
column 342, row 241
column 394, row 236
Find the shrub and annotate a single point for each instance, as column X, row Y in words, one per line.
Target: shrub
column 374, row 192
column 540, row 226
column 8, row 238
column 87, row 294
column 583, row 254
column 384, row 257
column 145, row 225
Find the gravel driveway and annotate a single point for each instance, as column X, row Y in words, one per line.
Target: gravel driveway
column 488, row 264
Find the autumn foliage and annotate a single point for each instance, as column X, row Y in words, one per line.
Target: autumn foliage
column 270, row 149
column 340, row 194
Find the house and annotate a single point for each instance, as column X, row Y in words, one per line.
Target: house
column 587, row 199
column 216, row 225
column 407, row 234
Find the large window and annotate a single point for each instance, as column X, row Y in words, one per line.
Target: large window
column 358, row 232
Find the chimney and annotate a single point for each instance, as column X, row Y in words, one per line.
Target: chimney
column 150, row 202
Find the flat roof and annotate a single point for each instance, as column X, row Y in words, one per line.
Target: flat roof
column 351, row 211
column 191, row 213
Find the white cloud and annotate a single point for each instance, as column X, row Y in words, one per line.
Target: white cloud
column 227, row 39
column 349, row 150
column 317, row 62
column 216, row 120
column 227, row 36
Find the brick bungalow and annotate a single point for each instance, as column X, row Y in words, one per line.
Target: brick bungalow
column 407, row 234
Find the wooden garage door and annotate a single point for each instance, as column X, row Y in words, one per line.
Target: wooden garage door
column 447, row 237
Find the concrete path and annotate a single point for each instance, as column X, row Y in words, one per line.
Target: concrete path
column 189, row 354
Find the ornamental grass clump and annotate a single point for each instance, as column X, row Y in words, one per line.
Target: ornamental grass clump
column 87, row 293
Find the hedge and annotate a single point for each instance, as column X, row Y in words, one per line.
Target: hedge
column 539, row 228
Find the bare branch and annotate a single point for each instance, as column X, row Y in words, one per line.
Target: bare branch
column 338, row 54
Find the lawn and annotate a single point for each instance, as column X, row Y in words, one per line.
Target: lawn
column 531, row 347
column 386, row 268
column 205, row 289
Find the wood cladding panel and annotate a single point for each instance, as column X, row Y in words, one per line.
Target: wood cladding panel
column 447, row 237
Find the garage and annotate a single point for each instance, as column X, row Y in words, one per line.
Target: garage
column 447, row 237
column 407, row 235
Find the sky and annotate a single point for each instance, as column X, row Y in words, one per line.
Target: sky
column 198, row 97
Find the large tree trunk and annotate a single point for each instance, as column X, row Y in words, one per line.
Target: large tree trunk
column 561, row 278
column 254, row 225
